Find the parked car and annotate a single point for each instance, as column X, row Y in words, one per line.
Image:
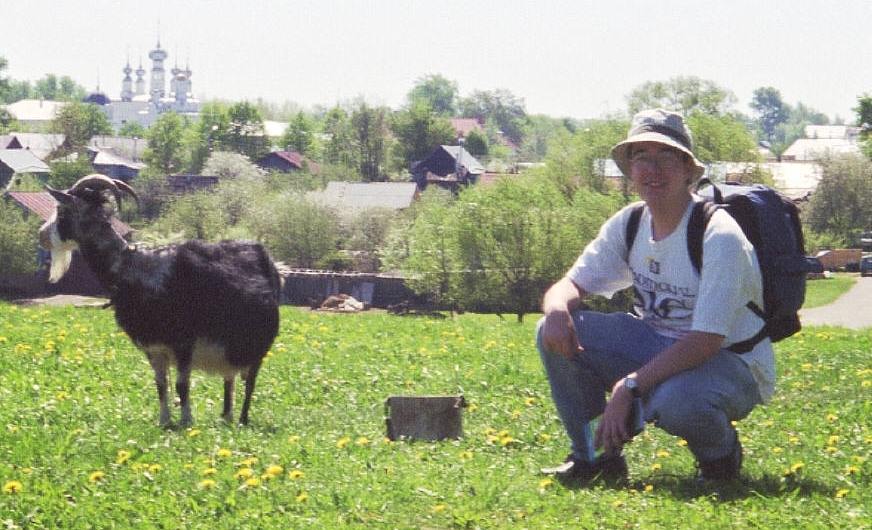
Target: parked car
column 866, row 266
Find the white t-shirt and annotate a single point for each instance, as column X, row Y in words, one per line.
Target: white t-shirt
column 671, row 296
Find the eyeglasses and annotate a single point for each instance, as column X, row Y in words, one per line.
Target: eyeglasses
column 664, row 158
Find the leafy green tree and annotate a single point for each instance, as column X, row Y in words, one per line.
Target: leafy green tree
column 208, row 135
column 435, row 91
column 240, row 185
column 166, row 138
column 540, row 130
column 771, row 111
column 65, row 173
column 299, row 136
column 61, row 88
column 683, row 94
column 18, row 240
column 476, row 144
column 80, row 122
column 339, row 148
column 4, row 80
column 132, row 129
column 721, row 138
column 577, row 160
column 8, row 123
column 842, row 202
column 369, row 129
column 197, row 215
column 419, row 130
column 498, row 107
column 245, row 133
column 295, row 230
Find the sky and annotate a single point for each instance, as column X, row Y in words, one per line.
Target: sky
column 573, row 58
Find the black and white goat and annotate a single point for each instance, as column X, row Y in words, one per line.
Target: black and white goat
column 195, row 305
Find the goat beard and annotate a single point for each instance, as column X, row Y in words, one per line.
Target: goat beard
column 61, row 257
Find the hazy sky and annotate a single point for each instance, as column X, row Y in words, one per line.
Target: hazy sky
column 574, row 58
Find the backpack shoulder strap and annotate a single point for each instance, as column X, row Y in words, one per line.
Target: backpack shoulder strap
column 633, row 227
column 699, row 219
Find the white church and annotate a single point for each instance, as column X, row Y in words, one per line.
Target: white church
column 144, row 106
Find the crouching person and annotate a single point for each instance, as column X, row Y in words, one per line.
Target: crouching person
column 674, row 353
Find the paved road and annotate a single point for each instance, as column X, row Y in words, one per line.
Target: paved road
column 852, row 310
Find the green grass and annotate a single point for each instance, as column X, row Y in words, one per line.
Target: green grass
column 80, row 444
column 826, row 291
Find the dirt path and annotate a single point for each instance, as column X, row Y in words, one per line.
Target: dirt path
column 63, row 299
column 852, row 310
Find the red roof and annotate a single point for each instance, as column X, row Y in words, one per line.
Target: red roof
column 43, row 204
column 296, row 159
column 464, row 126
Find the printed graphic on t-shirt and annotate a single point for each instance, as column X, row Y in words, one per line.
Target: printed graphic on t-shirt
column 664, row 305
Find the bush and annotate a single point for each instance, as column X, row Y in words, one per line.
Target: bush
column 18, row 240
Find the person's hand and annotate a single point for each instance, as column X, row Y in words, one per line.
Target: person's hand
column 559, row 334
column 611, row 433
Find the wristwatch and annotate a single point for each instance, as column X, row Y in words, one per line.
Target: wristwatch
column 632, row 385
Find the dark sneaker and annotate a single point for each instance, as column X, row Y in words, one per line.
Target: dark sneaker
column 723, row 469
column 574, row 471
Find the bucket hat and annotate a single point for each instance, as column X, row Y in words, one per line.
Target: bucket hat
column 660, row 126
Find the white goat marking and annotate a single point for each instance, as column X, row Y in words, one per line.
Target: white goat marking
column 207, row 355
column 61, row 251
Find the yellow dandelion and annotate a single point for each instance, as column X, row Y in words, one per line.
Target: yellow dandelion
column 866, row 383
column 466, row 455
column 797, row 467
column 852, row 470
column 193, row 433
column 96, row 476
column 663, row 454
column 224, row 453
column 858, row 459
column 275, row 470
column 293, row 439
column 832, row 417
column 506, row 440
column 154, row 468
column 342, row 442
column 530, row 401
column 793, row 440
column 544, row 437
column 122, row 456
column 833, row 440
column 13, row 486
column 295, row 474
column 3, row 340
column 777, row 450
column 438, row 508
column 806, row 367
column 682, row 443
column 545, row 483
column 302, row 497
column 617, row 504
column 248, row 462
column 252, row 482
column 188, row 466
column 245, row 472
column 472, row 407
column 516, row 414
column 831, row 449
column 656, row 467
column 206, row 484
column 362, row 441
column 209, row 471
column 842, row 493
column 649, row 488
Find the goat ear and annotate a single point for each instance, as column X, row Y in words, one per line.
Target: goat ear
column 59, row 196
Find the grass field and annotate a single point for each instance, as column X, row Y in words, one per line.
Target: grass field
column 823, row 292
column 80, row 446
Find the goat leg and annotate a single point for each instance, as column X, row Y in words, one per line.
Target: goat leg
column 250, row 377
column 227, row 413
column 183, row 387
column 159, row 364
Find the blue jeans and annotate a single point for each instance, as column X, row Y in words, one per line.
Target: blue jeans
column 697, row 405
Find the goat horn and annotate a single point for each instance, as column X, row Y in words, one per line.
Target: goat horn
column 98, row 182
column 125, row 187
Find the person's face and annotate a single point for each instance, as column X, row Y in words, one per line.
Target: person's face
column 661, row 174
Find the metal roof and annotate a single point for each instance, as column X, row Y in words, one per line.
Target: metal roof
column 40, row 144
column 464, row 158
column 358, row 196
column 805, row 149
column 23, row 161
column 43, row 204
column 35, row 109
column 108, row 158
column 131, row 148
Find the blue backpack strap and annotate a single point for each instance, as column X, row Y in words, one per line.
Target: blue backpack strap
column 699, row 219
column 633, row 227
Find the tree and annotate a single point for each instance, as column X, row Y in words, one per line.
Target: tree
column 339, row 148
column 62, row 88
column 209, row 134
column 4, row 80
column 682, row 94
column 65, row 173
column 437, row 92
column 132, row 129
column 369, row 129
column 842, row 202
column 299, row 136
column 80, row 122
column 165, row 151
column 771, row 111
column 419, row 130
column 197, row 215
column 296, row 231
column 476, row 144
column 721, row 138
column 240, row 184
column 499, row 107
column 18, row 240
column 245, row 133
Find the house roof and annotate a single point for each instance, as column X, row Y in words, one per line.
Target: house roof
column 108, row 158
column 807, row 149
column 275, row 129
column 462, row 155
column 463, row 126
column 831, row 131
column 130, row 148
column 40, row 144
column 357, row 196
column 9, row 141
column 22, row 161
column 43, row 204
column 295, row 159
column 35, row 109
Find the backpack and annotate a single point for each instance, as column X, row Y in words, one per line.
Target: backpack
column 770, row 221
